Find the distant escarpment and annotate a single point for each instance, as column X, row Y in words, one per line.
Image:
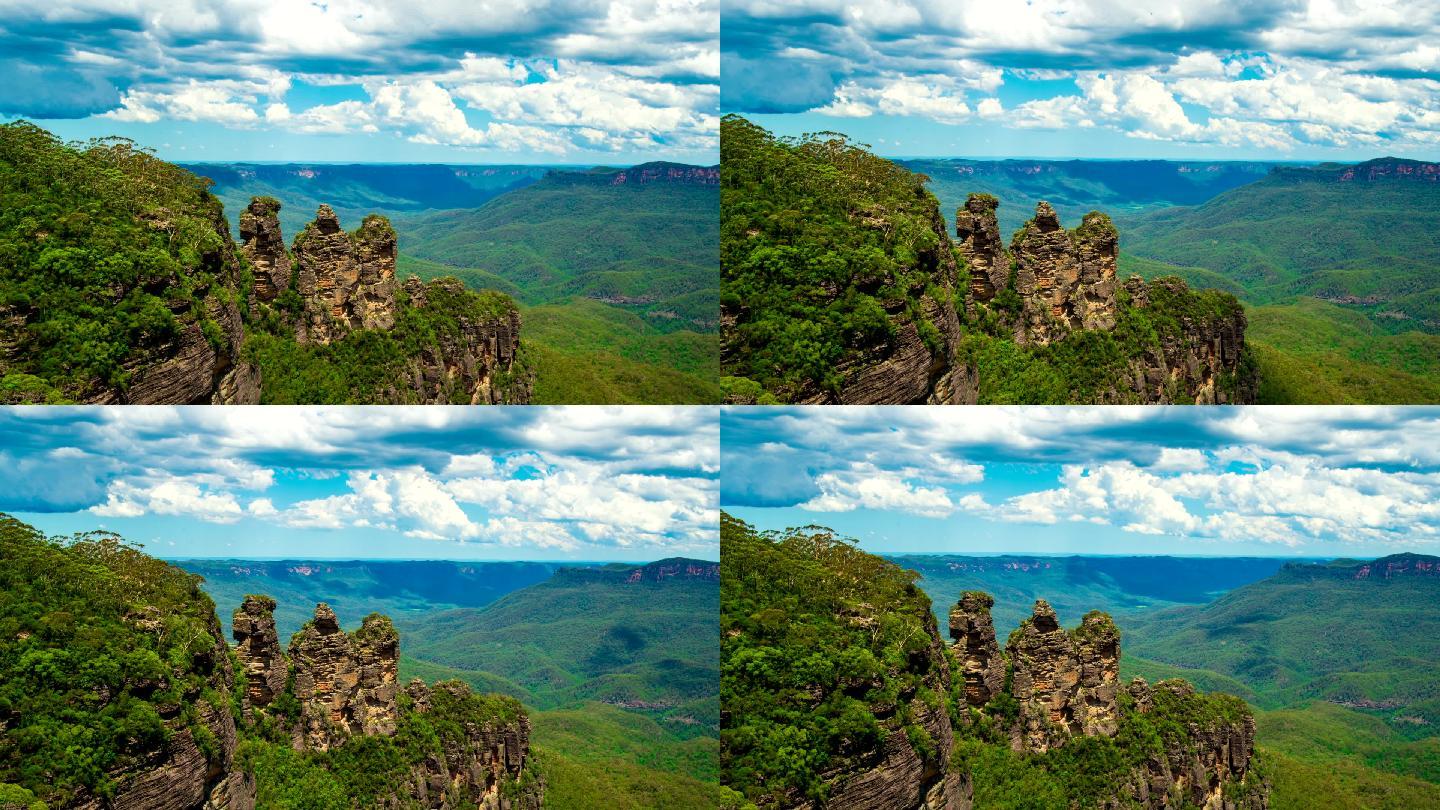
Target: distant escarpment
column 841, row 285
column 120, row 283
column 443, row 746
column 889, row 716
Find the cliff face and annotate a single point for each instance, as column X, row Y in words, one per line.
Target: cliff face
column 1066, row 282
column 347, row 686
column 911, row 368
column 186, row 774
column 899, row 775
column 346, row 281
column 201, row 364
column 1066, row 685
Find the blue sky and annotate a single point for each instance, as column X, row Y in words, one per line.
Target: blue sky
column 1272, row 481
column 508, row 81
column 582, row 483
column 1195, row 79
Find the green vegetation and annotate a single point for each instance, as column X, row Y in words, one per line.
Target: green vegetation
column 647, row 249
column 579, row 636
column 815, row 635
column 824, row 250
column 1345, row 667
column 820, row 640
column 106, row 255
column 587, row 351
column 1086, row 771
column 369, row 771
column 617, row 283
column 99, row 643
column 367, row 365
column 1340, row 277
column 1091, row 365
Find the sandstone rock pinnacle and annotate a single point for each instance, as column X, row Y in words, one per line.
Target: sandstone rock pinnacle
column 979, row 232
column 264, row 245
column 1066, row 684
column 258, row 647
column 975, row 647
column 346, row 281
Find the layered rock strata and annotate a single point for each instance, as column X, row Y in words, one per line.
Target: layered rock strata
column 972, row 633
column 201, row 364
column 895, row 774
column 346, row 683
column 186, row 774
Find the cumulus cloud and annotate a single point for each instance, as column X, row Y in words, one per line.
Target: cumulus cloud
column 556, row 76
column 1269, row 75
column 1288, row 476
column 542, row 478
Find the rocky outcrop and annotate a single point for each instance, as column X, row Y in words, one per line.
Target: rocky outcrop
column 264, row 247
column 346, row 282
column 201, row 363
column 258, row 646
column 347, row 687
column 973, row 635
column 979, row 233
column 187, row 773
column 896, row 775
column 478, row 364
column 1066, row 684
column 478, row 765
column 1203, row 364
column 1065, row 281
column 1210, row 769
column 346, row 683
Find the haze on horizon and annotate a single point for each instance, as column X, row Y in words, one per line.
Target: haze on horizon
column 1310, row 80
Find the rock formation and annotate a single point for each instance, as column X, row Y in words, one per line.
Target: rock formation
column 1197, row 773
column 347, row 686
column 346, row 683
column 264, row 247
column 1067, row 685
column 979, row 233
column 258, row 647
column 346, row 281
column 1066, row 281
column 973, row 634
column 479, row 364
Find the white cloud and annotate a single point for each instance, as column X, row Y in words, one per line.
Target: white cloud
column 865, row 487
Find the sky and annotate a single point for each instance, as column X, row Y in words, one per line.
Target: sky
column 441, row 81
column 1290, row 481
column 637, row 484
column 1342, row 80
